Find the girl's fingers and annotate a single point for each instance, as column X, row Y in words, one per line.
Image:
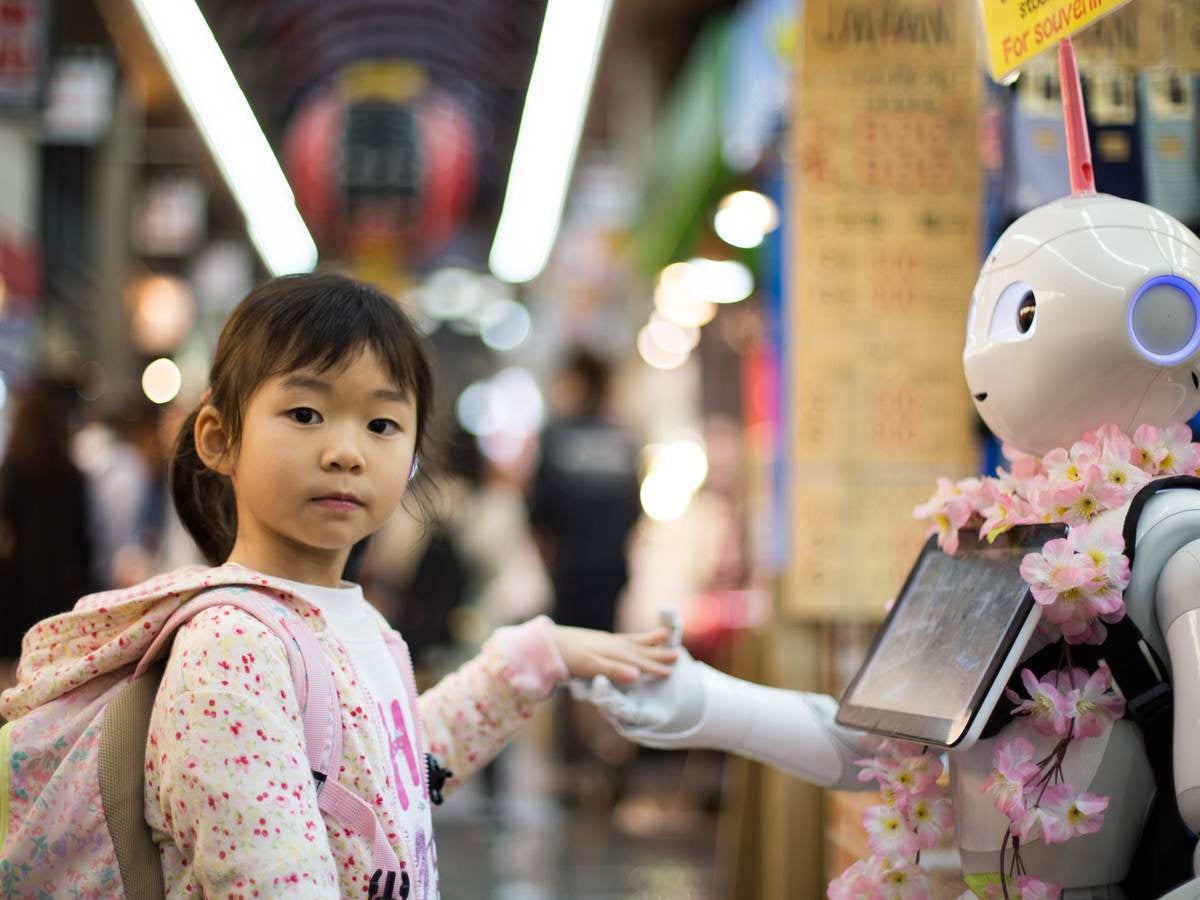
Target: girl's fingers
column 624, row 673
column 643, row 661
column 663, row 654
column 649, row 638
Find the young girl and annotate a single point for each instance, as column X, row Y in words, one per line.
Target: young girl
column 305, row 444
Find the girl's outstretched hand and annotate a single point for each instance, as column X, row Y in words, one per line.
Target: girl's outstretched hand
column 619, row 657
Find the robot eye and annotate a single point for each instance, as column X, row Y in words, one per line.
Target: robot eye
column 1164, row 320
column 1026, row 312
column 1014, row 317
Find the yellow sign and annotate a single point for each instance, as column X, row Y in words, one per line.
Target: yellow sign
column 1018, row 30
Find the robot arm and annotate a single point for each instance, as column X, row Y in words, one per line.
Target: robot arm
column 1178, row 607
column 699, row 707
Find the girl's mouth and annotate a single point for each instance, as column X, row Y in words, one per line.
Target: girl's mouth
column 339, row 502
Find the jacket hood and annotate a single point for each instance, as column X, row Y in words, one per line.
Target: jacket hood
column 111, row 630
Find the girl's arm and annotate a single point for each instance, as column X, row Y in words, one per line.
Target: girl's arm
column 470, row 714
column 227, row 777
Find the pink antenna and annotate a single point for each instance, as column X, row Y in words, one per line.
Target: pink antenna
column 1079, row 151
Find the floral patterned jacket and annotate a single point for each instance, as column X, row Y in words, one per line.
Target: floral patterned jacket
column 229, row 796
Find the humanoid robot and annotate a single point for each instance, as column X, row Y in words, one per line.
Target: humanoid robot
column 1086, row 312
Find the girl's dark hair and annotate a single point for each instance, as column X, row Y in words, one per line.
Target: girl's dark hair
column 319, row 321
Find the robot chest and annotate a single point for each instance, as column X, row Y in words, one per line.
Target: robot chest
column 1113, row 764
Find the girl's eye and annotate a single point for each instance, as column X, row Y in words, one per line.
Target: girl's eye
column 304, row 415
column 383, row 426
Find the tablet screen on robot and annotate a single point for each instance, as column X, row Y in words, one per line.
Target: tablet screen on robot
column 942, row 656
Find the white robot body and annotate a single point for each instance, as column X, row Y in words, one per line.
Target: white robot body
column 1085, row 313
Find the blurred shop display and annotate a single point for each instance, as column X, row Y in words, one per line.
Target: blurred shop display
column 23, row 53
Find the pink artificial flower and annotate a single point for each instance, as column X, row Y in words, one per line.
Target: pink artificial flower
column 1148, row 451
column 1057, row 569
column 888, row 834
column 1092, row 702
column 876, row 768
column 1182, row 455
column 1079, row 502
column 915, row 774
column 1066, row 813
column 1092, row 633
column 1024, row 465
column 1046, row 707
column 1015, row 768
column 1120, row 472
column 908, row 882
column 1106, row 549
column 1002, row 508
column 862, row 881
column 1111, row 440
column 898, row 749
column 1031, row 888
column 1060, row 467
column 951, row 508
column 929, row 817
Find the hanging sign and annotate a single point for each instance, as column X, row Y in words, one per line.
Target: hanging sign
column 1019, row 30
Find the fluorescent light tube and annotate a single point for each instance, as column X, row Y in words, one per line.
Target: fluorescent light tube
column 225, row 121
column 555, row 106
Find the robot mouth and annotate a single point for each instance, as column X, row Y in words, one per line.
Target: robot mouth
column 981, row 397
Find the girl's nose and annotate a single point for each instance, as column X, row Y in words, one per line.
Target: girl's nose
column 342, row 456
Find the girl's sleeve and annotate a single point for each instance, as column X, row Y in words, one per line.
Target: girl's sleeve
column 227, row 776
column 470, row 714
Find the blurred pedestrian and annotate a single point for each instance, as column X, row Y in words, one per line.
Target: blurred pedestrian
column 583, row 506
column 45, row 548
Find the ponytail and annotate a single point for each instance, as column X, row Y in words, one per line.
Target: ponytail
column 203, row 498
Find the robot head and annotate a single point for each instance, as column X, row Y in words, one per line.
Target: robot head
column 1086, row 312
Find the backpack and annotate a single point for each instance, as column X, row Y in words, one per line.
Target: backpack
column 1163, row 858
column 71, row 771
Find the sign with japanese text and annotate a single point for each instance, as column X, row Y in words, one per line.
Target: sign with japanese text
column 886, row 252
column 1019, row 30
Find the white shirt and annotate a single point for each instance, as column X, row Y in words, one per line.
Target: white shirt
column 359, row 627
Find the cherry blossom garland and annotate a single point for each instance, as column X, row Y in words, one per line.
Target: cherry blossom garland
column 1079, row 582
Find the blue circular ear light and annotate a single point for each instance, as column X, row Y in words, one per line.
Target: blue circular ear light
column 1158, row 320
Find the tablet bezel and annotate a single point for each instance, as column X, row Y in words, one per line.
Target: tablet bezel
column 935, row 730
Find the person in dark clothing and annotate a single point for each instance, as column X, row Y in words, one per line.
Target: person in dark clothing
column 583, row 505
column 45, row 548
column 584, row 498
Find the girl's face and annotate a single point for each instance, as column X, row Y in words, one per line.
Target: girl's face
column 323, row 461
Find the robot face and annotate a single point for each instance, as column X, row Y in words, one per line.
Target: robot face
column 1086, row 312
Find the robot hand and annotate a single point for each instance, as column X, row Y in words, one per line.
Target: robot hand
column 654, row 712
column 698, row 707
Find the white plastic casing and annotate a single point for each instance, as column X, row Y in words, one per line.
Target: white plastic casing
column 1079, row 364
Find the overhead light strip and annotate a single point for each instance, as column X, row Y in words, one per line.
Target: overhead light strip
column 225, row 121
column 555, row 106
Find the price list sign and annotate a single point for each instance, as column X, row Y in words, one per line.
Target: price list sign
column 886, row 200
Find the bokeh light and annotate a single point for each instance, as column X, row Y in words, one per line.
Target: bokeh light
column 162, row 313
column 744, row 218
column 161, row 381
column 676, row 471
column 504, row 325
column 654, row 354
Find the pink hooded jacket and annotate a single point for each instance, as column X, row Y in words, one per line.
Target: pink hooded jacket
column 229, row 795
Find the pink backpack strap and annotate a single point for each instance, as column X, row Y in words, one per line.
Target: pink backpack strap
column 317, row 697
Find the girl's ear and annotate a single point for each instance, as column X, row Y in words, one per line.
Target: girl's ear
column 212, row 442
